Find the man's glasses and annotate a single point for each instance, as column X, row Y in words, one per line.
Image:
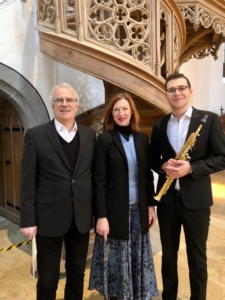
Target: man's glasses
column 181, row 89
column 69, row 101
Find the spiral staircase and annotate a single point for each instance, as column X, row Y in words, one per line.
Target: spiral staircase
column 131, row 45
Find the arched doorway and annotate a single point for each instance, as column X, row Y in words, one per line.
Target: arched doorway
column 11, row 147
column 21, row 107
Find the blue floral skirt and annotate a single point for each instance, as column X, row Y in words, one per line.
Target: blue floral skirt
column 124, row 268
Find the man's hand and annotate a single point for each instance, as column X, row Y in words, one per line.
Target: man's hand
column 30, row 232
column 151, row 216
column 102, row 227
column 176, row 168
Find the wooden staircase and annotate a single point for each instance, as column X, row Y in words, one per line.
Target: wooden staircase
column 131, row 45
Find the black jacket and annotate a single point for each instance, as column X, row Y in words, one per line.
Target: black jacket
column 50, row 192
column 207, row 157
column 111, row 186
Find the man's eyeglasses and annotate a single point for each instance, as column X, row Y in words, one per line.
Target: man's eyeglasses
column 181, row 89
column 69, row 101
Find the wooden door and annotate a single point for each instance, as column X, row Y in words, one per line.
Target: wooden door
column 11, row 147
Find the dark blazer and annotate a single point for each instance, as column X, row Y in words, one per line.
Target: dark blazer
column 111, row 186
column 50, row 191
column 207, row 157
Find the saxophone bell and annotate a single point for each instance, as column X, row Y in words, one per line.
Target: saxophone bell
column 157, row 198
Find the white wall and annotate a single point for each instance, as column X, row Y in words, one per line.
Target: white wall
column 206, row 77
column 19, row 45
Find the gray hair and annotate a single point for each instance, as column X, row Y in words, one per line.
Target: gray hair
column 65, row 86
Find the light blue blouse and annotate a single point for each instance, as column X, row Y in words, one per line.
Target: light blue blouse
column 129, row 149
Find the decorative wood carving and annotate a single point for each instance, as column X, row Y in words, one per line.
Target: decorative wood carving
column 140, row 41
column 205, row 28
column 176, row 51
column 205, row 52
column 197, row 15
column 124, row 25
column 47, row 11
column 163, row 25
column 71, row 15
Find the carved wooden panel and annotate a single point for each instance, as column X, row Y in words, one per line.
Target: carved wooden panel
column 163, row 39
column 11, row 147
column 205, row 27
column 198, row 15
column 71, row 15
column 124, row 25
column 47, row 11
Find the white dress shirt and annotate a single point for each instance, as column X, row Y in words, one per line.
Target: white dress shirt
column 177, row 131
column 63, row 131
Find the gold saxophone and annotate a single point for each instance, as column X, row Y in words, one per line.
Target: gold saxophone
column 182, row 155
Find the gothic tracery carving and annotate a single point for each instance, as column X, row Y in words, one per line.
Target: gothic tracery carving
column 176, row 51
column 206, row 52
column 71, row 15
column 163, row 25
column 123, row 25
column 203, row 17
column 47, row 11
column 188, row 13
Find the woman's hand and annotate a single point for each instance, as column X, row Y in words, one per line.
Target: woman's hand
column 151, row 216
column 102, row 227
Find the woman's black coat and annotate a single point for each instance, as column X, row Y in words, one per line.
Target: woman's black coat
column 111, row 186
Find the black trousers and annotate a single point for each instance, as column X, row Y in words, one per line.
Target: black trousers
column 196, row 225
column 48, row 264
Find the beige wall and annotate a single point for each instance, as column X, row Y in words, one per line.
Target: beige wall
column 206, row 76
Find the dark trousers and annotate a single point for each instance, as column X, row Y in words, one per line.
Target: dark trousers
column 48, row 264
column 196, row 225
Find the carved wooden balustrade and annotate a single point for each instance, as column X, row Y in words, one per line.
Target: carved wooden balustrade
column 118, row 41
column 205, row 26
column 132, row 44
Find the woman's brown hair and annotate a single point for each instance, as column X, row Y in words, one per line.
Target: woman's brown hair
column 109, row 123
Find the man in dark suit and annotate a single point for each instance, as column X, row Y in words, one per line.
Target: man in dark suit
column 187, row 201
column 56, row 194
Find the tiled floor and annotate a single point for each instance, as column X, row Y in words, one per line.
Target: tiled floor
column 16, row 282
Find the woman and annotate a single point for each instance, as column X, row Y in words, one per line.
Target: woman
column 122, row 263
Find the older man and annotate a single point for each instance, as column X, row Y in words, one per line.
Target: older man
column 56, row 194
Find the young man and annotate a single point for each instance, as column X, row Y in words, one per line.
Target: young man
column 187, row 201
column 56, row 194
